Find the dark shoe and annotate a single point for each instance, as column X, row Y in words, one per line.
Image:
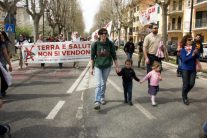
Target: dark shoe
column 186, row 102
column 97, row 106
column 130, row 103
column 3, row 94
column 125, row 101
column 8, row 132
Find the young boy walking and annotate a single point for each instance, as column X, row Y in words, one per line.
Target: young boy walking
column 128, row 74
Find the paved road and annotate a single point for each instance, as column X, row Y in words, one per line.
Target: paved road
column 54, row 103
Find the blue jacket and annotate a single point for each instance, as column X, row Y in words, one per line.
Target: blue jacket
column 188, row 62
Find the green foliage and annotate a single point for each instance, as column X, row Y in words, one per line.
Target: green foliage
column 26, row 31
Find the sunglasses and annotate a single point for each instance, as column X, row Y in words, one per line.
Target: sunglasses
column 103, row 33
column 190, row 39
column 155, row 28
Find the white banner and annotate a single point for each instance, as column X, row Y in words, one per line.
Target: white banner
column 108, row 27
column 56, row 52
column 149, row 16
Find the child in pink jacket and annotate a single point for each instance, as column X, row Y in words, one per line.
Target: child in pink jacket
column 154, row 76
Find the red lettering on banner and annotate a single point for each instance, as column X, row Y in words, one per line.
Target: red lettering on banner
column 79, row 46
column 45, row 53
column 57, row 53
column 57, row 47
column 63, row 46
column 70, row 46
column 151, row 10
column 76, row 52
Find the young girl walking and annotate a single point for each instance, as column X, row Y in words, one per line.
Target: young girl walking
column 128, row 74
column 154, row 76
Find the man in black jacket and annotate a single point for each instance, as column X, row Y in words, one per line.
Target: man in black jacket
column 129, row 48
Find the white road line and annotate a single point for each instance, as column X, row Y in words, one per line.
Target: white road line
column 55, row 110
column 144, row 111
column 115, row 86
column 82, row 94
column 75, row 84
column 79, row 114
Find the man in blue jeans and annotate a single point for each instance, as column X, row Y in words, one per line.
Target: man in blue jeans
column 129, row 48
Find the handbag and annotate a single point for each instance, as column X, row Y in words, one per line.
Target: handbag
column 7, row 75
column 198, row 66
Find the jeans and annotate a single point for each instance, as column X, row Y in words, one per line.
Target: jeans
column 101, row 76
column 129, row 55
column 4, row 85
column 188, row 77
column 127, row 91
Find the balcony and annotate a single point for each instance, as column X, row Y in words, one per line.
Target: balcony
column 200, row 24
column 174, row 28
column 200, row 4
column 173, row 10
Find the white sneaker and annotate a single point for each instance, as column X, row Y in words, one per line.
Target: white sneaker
column 154, row 104
column 103, row 102
column 97, row 106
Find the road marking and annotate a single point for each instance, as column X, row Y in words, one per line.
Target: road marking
column 82, row 94
column 144, row 111
column 75, row 84
column 115, row 86
column 55, row 110
column 79, row 114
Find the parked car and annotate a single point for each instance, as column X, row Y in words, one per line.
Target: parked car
column 172, row 48
column 204, row 58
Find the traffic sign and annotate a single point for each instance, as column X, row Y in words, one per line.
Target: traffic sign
column 10, row 28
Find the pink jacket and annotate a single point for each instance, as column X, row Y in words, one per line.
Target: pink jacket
column 160, row 53
column 154, row 77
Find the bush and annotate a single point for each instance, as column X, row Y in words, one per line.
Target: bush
column 26, row 31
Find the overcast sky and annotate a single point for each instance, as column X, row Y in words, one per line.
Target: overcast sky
column 90, row 8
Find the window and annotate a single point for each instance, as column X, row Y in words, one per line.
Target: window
column 173, row 23
column 179, row 23
column 174, row 5
column 180, row 5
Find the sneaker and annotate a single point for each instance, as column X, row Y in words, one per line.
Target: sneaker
column 103, row 102
column 186, row 102
column 130, row 103
column 8, row 132
column 154, row 104
column 97, row 106
column 3, row 94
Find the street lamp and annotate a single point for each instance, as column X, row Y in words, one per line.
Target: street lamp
column 191, row 16
column 119, row 28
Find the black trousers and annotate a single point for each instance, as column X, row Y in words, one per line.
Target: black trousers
column 4, row 85
column 127, row 91
column 188, row 77
column 2, row 130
